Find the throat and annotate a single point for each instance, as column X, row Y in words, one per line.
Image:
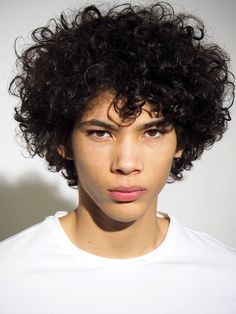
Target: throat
column 131, row 242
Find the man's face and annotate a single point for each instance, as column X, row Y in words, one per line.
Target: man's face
column 127, row 156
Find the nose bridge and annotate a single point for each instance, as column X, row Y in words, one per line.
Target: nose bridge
column 127, row 156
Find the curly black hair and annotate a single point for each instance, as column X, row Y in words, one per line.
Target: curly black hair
column 145, row 54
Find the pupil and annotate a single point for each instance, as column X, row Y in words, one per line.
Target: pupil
column 152, row 132
column 101, row 133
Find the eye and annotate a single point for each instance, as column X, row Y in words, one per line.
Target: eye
column 97, row 133
column 154, row 133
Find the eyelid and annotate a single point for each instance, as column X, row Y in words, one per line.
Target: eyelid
column 160, row 130
column 90, row 132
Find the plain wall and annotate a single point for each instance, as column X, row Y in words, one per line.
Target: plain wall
column 204, row 201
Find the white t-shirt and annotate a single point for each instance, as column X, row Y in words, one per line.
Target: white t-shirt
column 42, row 271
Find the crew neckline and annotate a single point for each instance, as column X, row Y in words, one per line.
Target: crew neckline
column 90, row 258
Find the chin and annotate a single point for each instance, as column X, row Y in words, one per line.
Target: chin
column 126, row 212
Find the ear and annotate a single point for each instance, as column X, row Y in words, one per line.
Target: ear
column 178, row 153
column 63, row 152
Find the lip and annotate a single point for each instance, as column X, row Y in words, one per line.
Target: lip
column 124, row 188
column 126, row 193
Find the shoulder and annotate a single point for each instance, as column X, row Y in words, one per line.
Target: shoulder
column 20, row 240
column 26, row 244
column 31, row 241
column 202, row 246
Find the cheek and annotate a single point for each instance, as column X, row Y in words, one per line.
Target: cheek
column 86, row 156
column 90, row 176
column 90, row 165
column 158, row 164
column 158, row 172
column 162, row 155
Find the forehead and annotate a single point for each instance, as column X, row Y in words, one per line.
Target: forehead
column 102, row 107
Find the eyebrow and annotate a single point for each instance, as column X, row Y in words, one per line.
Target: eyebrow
column 111, row 127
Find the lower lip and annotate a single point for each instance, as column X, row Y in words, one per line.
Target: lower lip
column 126, row 196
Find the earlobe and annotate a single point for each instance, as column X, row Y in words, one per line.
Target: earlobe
column 62, row 152
column 178, row 153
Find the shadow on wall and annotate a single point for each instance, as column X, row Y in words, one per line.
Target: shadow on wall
column 27, row 202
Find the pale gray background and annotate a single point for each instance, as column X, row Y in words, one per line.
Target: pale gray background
column 204, row 201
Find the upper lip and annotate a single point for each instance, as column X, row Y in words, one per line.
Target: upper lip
column 128, row 188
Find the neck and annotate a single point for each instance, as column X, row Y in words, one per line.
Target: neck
column 118, row 240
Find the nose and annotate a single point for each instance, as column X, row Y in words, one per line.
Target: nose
column 127, row 158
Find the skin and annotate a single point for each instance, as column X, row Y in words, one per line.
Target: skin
column 126, row 156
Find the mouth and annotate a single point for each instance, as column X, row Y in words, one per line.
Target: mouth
column 126, row 194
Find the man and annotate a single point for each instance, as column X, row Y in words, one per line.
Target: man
column 119, row 102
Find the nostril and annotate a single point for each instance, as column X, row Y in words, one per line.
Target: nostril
column 127, row 171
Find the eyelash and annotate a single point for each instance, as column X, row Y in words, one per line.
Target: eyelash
column 91, row 132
